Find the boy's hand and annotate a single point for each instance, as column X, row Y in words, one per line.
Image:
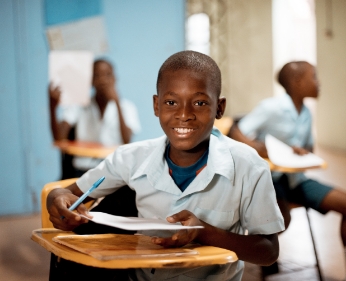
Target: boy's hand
column 61, row 217
column 54, row 94
column 183, row 236
column 299, row 150
column 111, row 94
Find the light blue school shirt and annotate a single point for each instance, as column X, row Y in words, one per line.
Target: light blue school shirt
column 278, row 117
column 233, row 192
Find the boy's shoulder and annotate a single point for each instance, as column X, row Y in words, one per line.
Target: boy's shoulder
column 272, row 102
column 244, row 155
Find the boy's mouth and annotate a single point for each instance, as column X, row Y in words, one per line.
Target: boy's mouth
column 183, row 130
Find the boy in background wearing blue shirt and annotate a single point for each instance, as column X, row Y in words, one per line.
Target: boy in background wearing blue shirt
column 289, row 120
column 193, row 175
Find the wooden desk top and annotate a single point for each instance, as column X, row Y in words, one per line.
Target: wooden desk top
column 281, row 169
column 129, row 251
column 84, row 149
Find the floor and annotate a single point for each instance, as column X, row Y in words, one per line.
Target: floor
column 23, row 259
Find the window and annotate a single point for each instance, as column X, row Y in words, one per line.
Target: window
column 198, row 33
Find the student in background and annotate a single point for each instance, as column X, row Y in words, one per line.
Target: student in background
column 289, row 120
column 108, row 119
column 193, row 175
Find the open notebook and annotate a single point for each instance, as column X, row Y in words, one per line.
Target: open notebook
column 280, row 154
column 133, row 223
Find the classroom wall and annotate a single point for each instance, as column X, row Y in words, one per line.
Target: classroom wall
column 331, row 67
column 141, row 35
column 250, row 72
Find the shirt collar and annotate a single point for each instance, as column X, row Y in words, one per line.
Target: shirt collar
column 220, row 161
column 288, row 105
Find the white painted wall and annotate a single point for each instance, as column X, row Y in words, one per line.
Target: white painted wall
column 331, row 66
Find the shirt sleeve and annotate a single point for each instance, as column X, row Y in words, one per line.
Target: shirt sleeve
column 70, row 114
column 112, row 168
column 260, row 211
column 253, row 122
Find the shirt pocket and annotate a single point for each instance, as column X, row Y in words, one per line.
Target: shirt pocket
column 220, row 219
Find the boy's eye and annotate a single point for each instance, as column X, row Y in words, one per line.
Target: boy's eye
column 170, row 102
column 200, row 103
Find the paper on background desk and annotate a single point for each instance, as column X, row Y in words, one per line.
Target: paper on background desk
column 281, row 154
column 131, row 223
column 72, row 72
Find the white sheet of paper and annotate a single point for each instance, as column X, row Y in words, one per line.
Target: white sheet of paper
column 281, row 154
column 72, row 72
column 131, row 223
column 85, row 34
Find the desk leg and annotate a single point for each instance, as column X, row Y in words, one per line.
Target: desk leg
column 64, row 270
column 314, row 245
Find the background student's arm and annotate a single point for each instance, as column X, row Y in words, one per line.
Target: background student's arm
column 237, row 135
column 58, row 202
column 60, row 130
column 126, row 132
column 257, row 249
column 259, row 146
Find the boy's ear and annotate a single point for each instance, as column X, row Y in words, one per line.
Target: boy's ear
column 156, row 105
column 221, row 106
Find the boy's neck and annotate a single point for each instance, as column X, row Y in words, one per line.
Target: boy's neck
column 184, row 158
column 297, row 101
column 101, row 102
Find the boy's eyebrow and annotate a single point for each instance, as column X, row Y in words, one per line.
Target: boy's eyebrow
column 196, row 94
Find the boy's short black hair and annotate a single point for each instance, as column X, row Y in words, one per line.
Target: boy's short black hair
column 194, row 61
column 96, row 62
column 291, row 70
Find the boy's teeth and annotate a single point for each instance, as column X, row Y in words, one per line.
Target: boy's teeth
column 183, row 130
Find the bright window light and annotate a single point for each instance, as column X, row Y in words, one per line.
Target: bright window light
column 198, row 33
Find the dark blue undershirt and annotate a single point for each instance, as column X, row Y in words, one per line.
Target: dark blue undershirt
column 183, row 176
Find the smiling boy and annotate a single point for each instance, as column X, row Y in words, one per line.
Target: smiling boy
column 193, row 175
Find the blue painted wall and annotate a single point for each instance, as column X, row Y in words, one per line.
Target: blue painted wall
column 142, row 34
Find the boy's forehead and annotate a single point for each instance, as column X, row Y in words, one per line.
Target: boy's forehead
column 183, row 76
column 102, row 66
column 172, row 81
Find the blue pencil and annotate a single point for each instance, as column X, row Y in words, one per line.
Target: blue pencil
column 80, row 200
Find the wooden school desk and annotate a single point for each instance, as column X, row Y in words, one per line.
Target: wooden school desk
column 84, row 149
column 289, row 170
column 132, row 251
column 129, row 251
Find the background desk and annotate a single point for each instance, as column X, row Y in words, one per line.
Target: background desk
column 288, row 170
column 84, row 149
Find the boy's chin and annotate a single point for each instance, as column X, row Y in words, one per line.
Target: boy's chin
column 188, row 146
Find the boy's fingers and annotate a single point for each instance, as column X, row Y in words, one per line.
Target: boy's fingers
column 81, row 209
column 68, row 215
column 165, row 242
column 178, row 217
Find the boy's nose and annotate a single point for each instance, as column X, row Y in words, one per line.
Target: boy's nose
column 185, row 113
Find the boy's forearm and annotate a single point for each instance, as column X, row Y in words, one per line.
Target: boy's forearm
column 59, row 130
column 126, row 132
column 257, row 249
